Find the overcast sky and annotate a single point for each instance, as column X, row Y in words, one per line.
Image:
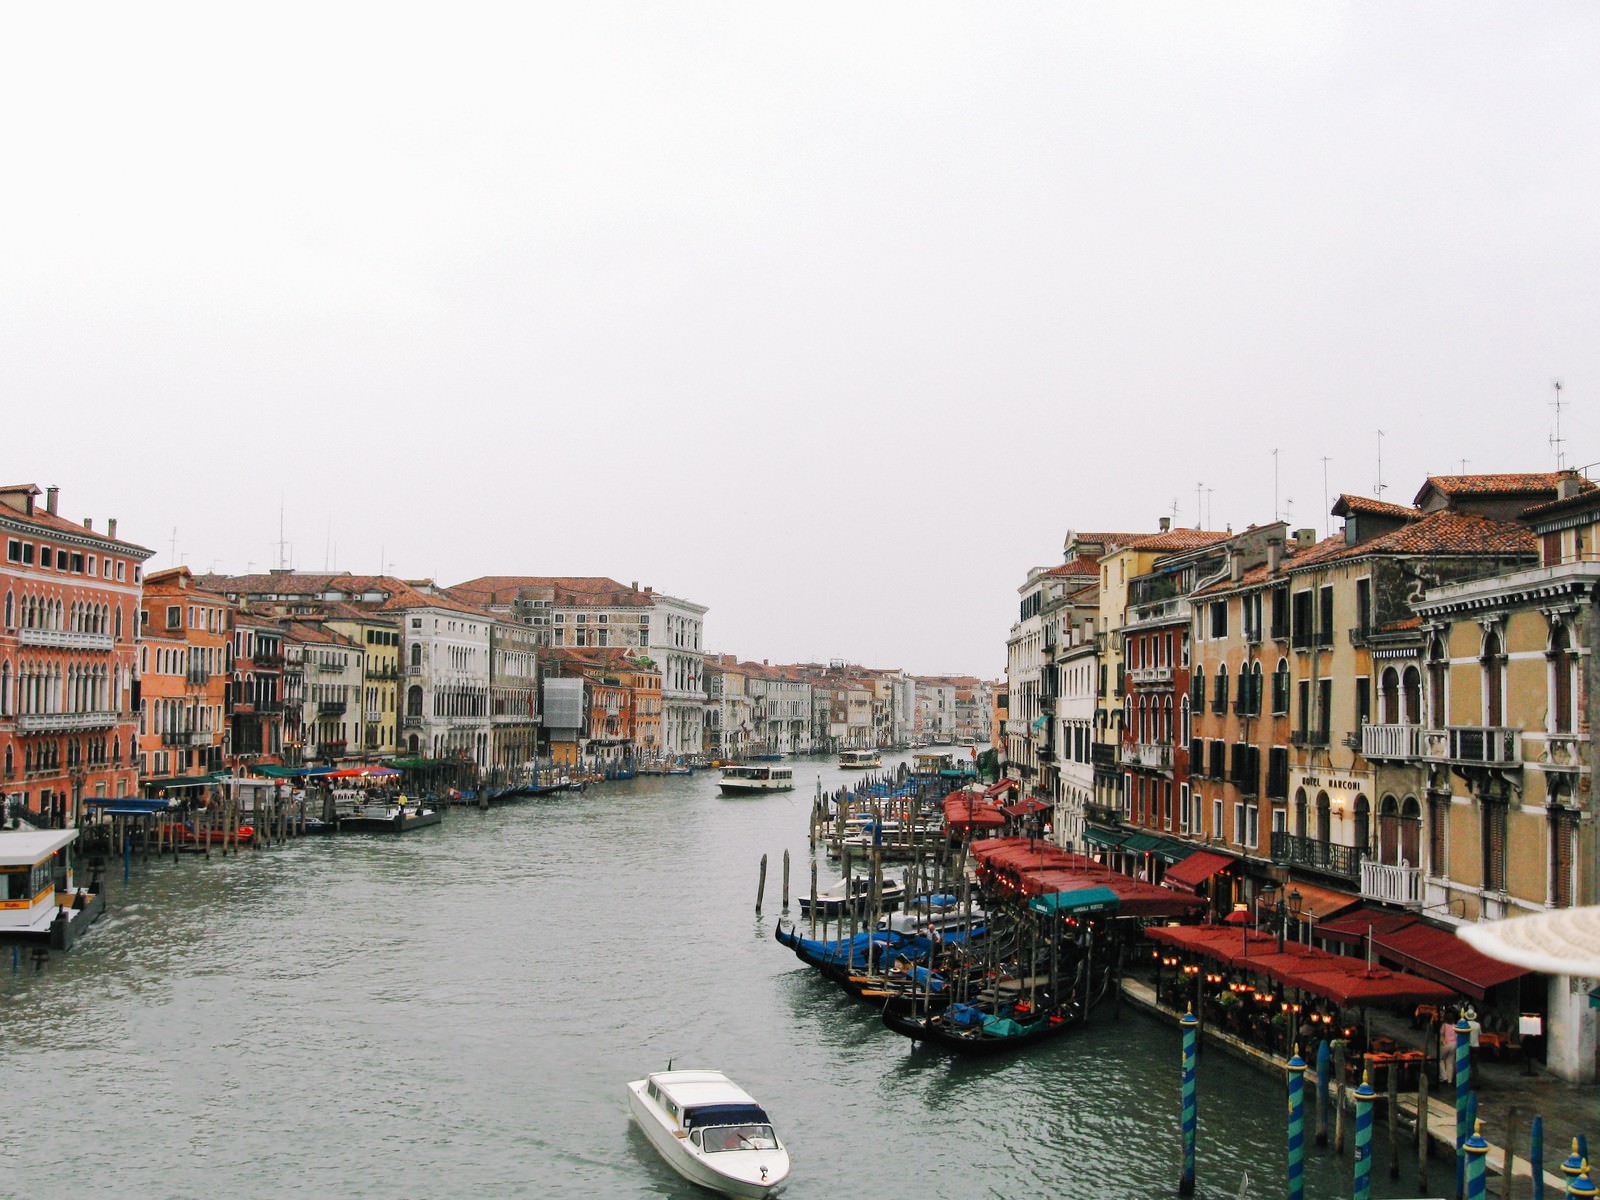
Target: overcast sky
column 831, row 317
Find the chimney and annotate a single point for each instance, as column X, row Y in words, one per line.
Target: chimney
column 634, row 586
column 51, row 494
column 1567, row 487
column 88, row 523
column 1165, row 524
column 1305, row 537
column 1235, row 566
column 1274, row 555
column 111, row 528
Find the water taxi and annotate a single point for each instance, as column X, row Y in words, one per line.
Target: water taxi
column 739, row 779
column 859, row 760
column 39, row 905
column 711, row 1131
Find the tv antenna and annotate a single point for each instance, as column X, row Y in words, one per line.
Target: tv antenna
column 1556, row 439
column 173, row 552
column 1277, row 512
column 1378, row 487
column 281, row 545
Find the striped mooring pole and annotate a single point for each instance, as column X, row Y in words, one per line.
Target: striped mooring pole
column 1536, row 1157
column 1297, row 1127
column 1583, row 1186
column 1477, row 1151
column 1191, row 1026
column 1364, row 1100
column 1463, row 1087
column 1324, row 1071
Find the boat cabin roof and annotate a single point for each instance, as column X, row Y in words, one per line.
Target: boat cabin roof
column 19, row 849
column 694, row 1088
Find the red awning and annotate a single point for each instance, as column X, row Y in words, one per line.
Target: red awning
column 965, row 811
column 1350, row 928
column 1135, row 897
column 1439, row 954
column 1319, row 903
column 1196, row 869
column 1025, row 808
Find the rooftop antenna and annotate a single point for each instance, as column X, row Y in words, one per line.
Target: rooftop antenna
column 173, row 553
column 1326, row 507
column 1556, row 439
column 1378, row 487
column 1209, row 490
column 1464, row 463
column 280, row 546
column 1174, row 510
column 1199, row 512
column 1276, row 512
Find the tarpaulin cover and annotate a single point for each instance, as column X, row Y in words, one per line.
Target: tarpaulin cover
column 1345, row 981
column 1439, row 954
column 1196, row 869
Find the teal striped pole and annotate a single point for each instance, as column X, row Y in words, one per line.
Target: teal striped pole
column 1477, row 1151
column 1297, row 1127
column 1324, row 1071
column 1364, row 1098
column 1463, row 1085
column 1191, row 1026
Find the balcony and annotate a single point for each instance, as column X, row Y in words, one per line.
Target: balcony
column 374, row 715
column 197, row 678
column 1562, row 752
column 267, row 661
column 385, row 672
column 1142, row 675
column 1473, row 745
column 1291, row 850
column 65, row 639
column 1252, row 635
column 411, row 722
column 1103, row 754
column 331, row 708
column 1102, row 814
column 1391, row 884
column 65, row 722
column 1150, row 755
column 1309, row 738
column 185, row 737
column 1391, row 741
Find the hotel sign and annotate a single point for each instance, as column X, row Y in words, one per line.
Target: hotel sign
column 1334, row 782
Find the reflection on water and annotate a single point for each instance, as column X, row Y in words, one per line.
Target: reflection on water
column 455, row 1012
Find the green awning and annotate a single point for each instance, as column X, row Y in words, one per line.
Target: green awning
column 268, row 771
column 1040, row 722
column 1079, row 900
column 1174, row 852
column 1108, row 838
column 1143, row 843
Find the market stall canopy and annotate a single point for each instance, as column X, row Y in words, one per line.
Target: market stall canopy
column 1196, row 869
column 1080, row 900
column 1564, row 941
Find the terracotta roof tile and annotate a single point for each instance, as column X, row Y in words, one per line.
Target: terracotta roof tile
column 1495, row 485
column 1348, row 504
column 45, row 522
column 569, row 590
column 1178, row 539
column 1448, row 532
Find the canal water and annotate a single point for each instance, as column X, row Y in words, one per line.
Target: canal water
column 454, row 1012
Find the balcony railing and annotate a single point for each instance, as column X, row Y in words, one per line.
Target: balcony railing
column 1290, row 849
column 1474, row 745
column 1562, row 751
column 1154, row 756
column 374, row 715
column 1150, row 675
column 267, row 661
column 330, row 708
column 1391, row 741
column 1102, row 814
column 1391, row 884
column 65, row 722
column 65, row 639
column 186, row 737
column 1102, row 754
column 409, row 722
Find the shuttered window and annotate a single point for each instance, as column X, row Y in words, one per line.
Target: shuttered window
column 1438, row 836
column 1493, row 816
column 1563, row 850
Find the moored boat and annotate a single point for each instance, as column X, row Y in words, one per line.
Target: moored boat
column 971, row 1029
column 385, row 816
column 748, row 779
column 859, row 760
column 839, row 897
column 711, row 1131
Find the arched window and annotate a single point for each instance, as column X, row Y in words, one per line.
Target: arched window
column 1197, row 688
column 1166, row 719
column 1280, row 688
column 1563, row 680
column 1300, row 823
column 1324, row 818
column 1494, row 679
column 1363, row 825
column 1389, row 697
column 1388, row 831
column 1183, row 716
column 416, row 654
column 414, row 701
column 1410, row 832
column 1438, row 686
column 1411, row 696
column 11, row 608
column 1219, row 700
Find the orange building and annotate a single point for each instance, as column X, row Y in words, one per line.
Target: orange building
column 183, row 676
column 624, row 701
column 68, row 696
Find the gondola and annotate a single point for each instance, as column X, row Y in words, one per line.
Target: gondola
column 970, row 1030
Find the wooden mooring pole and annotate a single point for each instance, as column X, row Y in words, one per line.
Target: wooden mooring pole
column 785, row 881
column 761, row 885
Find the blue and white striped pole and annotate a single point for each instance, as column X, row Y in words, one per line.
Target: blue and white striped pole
column 1536, row 1156
column 1191, row 1027
column 1463, row 1033
column 1364, row 1099
column 1324, row 1072
column 1572, row 1165
column 1297, row 1127
column 1476, row 1151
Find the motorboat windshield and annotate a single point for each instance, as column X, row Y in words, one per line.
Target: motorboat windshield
column 716, row 1139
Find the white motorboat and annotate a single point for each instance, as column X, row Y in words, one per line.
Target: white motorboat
column 929, row 913
column 748, row 779
column 711, row 1131
column 836, row 900
column 859, row 760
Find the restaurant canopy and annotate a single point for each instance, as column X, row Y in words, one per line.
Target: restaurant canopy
column 1025, row 808
column 363, row 773
column 1079, row 900
column 1033, row 868
column 1348, row 982
column 1407, row 941
column 1196, row 869
column 965, row 811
